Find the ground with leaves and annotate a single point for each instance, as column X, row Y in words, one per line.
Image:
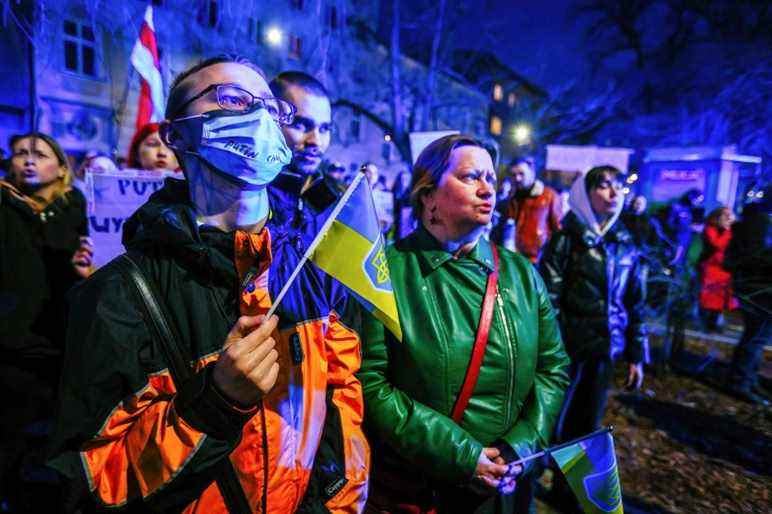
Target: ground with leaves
column 685, row 446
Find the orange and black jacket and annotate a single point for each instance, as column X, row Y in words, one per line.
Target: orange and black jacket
column 139, row 442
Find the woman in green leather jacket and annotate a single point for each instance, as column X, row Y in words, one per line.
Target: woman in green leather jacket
column 423, row 459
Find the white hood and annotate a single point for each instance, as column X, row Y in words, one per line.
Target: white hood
column 579, row 201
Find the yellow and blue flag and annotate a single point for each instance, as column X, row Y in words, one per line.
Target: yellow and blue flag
column 353, row 252
column 590, row 468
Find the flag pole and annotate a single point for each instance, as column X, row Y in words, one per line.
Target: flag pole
column 542, row 453
column 318, row 239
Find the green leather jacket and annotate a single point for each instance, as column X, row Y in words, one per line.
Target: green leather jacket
column 410, row 387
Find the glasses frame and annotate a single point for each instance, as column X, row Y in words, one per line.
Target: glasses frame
column 259, row 101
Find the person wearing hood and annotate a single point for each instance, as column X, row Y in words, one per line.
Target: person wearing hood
column 247, row 431
column 535, row 209
column 593, row 272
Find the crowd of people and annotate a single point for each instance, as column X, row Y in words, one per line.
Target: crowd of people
column 157, row 381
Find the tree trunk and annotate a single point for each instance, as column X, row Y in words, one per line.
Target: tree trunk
column 397, row 118
column 431, row 77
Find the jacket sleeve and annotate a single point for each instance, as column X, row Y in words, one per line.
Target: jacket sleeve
column 344, row 357
column 534, row 427
column 555, row 214
column 553, row 266
column 637, row 347
column 123, row 429
column 420, row 434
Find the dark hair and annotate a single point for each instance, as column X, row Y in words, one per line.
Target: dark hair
column 177, row 94
column 285, row 79
column 432, row 163
column 60, row 156
column 527, row 159
column 715, row 214
column 139, row 136
column 597, row 174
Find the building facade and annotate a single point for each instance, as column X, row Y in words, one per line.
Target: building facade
column 72, row 77
column 512, row 99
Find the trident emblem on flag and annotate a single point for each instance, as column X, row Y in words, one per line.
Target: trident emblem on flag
column 381, row 266
column 377, row 267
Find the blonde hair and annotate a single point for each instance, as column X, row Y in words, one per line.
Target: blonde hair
column 64, row 164
column 431, row 164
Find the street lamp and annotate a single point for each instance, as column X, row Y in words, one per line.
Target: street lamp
column 274, row 36
column 522, row 134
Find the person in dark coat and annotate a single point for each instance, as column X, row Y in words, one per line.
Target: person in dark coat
column 638, row 222
column 44, row 252
column 302, row 196
column 676, row 222
column 749, row 259
column 593, row 271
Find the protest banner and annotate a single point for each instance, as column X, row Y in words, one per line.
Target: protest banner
column 112, row 199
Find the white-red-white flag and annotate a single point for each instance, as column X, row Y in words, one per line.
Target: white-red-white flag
column 144, row 58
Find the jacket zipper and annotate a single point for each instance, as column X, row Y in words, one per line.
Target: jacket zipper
column 510, row 352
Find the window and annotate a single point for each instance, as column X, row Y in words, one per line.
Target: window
column 498, row 92
column 355, row 128
column 297, row 4
column 79, row 48
column 332, row 17
column 511, row 99
column 255, row 31
column 495, row 125
column 295, row 47
column 208, row 14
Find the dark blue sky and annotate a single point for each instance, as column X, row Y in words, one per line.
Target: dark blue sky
column 536, row 38
column 541, row 42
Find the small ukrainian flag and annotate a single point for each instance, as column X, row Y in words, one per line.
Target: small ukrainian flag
column 590, row 467
column 353, row 251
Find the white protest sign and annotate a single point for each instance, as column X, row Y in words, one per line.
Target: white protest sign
column 420, row 140
column 578, row 158
column 384, row 207
column 112, row 199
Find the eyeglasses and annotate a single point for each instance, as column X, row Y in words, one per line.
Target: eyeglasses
column 235, row 99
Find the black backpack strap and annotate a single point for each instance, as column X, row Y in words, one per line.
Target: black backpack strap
column 179, row 367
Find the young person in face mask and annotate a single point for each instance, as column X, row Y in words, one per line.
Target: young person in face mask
column 593, row 271
column 255, row 405
column 534, row 207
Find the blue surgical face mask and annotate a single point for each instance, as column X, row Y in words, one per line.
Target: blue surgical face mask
column 248, row 147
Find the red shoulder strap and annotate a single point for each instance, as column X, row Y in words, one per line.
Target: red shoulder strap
column 480, row 342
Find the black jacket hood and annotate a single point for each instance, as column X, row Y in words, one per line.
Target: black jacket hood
column 166, row 223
